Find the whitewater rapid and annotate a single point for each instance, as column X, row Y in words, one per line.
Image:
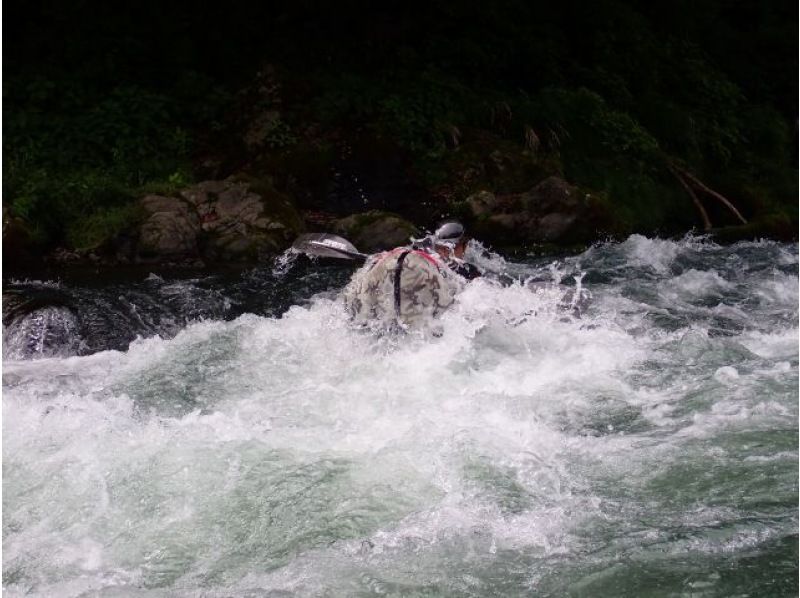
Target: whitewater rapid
column 647, row 445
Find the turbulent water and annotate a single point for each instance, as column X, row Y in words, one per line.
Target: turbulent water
column 237, row 437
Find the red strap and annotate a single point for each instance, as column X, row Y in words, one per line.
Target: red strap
column 427, row 256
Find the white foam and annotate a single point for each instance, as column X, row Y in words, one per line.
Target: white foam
column 656, row 253
column 695, row 283
column 301, row 454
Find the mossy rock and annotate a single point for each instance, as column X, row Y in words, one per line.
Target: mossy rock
column 375, row 230
column 553, row 212
column 239, row 248
column 245, row 219
column 239, row 219
column 279, row 207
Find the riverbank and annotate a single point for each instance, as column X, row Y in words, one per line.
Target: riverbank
column 530, row 123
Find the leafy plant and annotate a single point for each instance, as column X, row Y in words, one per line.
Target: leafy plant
column 101, row 225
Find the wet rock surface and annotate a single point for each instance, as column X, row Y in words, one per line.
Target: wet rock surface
column 230, row 220
column 375, row 230
column 171, row 227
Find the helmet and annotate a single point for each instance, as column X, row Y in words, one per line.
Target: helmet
column 449, row 233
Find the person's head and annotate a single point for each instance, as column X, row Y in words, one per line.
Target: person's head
column 450, row 239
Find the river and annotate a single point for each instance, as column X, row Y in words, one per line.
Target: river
column 233, row 435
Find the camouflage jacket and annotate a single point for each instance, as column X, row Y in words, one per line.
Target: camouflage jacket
column 402, row 286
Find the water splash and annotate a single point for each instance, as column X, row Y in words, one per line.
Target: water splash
column 284, row 262
column 635, row 449
column 45, row 332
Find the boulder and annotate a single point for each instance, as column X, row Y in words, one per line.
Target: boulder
column 553, row 227
column 375, row 230
column 236, row 219
column 553, row 194
column 553, row 211
column 245, row 219
column 482, row 203
column 170, row 228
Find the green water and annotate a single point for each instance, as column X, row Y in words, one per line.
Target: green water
column 648, row 447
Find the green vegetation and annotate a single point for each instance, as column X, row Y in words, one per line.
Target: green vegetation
column 77, row 156
column 103, row 104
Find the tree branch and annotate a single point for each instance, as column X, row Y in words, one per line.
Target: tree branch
column 711, row 192
column 698, row 205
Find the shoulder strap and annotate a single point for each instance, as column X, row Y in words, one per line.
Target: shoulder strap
column 397, row 273
column 430, row 258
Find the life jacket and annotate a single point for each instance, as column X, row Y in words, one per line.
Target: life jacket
column 464, row 269
column 404, row 286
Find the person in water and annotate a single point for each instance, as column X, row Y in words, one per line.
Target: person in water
column 450, row 242
column 411, row 286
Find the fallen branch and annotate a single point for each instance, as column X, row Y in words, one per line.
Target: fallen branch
column 711, row 192
column 698, row 205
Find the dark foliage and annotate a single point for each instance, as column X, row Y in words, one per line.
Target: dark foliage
column 105, row 100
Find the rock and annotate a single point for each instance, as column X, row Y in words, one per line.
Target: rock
column 375, row 230
column 482, row 203
column 61, row 255
column 553, row 227
column 170, row 228
column 510, row 221
column 553, row 211
column 231, row 220
column 203, row 193
column 551, row 195
column 245, row 219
